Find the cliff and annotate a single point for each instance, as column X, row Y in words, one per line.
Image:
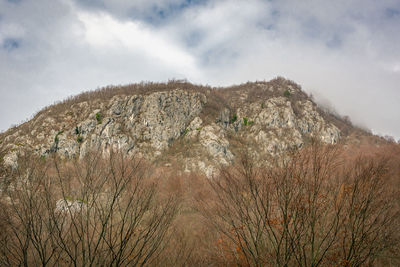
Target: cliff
column 196, row 127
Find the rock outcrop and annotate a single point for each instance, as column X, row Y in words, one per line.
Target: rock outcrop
column 149, row 124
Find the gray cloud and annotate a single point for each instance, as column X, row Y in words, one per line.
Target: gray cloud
column 344, row 51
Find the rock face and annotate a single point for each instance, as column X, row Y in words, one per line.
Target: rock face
column 267, row 128
column 152, row 124
column 275, row 127
column 146, row 124
column 69, row 206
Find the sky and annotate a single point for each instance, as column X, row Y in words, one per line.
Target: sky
column 345, row 52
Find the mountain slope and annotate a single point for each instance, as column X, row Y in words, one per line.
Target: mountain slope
column 198, row 127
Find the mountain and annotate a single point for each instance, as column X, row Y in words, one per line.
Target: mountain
column 195, row 127
column 280, row 193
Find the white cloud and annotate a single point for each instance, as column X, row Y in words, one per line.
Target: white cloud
column 260, row 40
column 345, row 51
column 104, row 32
column 11, row 30
column 396, row 68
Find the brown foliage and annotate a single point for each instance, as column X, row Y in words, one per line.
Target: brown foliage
column 311, row 209
column 319, row 206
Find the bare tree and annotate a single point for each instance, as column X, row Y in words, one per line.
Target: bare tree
column 307, row 210
column 95, row 212
column 371, row 214
column 28, row 228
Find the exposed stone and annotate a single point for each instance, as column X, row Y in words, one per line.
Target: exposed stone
column 224, row 117
column 149, row 124
column 69, row 206
column 277, row 113
column 312, row 122
column 212, row 137
column 209, row 170
column 10, row 160
column 195, row 124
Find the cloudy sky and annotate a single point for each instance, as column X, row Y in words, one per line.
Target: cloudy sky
column 346, row 52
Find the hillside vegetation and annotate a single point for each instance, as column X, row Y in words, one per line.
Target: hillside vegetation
column 177, row 174
column 323, row 205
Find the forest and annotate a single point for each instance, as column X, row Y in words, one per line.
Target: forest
column 321, row 205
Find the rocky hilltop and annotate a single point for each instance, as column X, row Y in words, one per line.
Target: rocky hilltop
column 195, row 127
